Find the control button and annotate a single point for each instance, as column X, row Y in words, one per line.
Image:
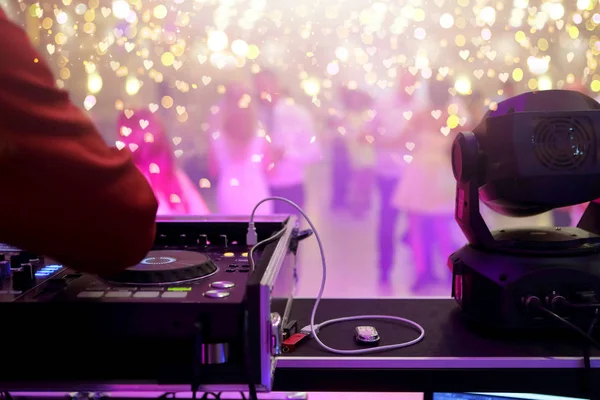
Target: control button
column 180, row 289
column 146, row 295
column 228, row 254
column 48, row 270
column 52, row 267
column 174, row 295
column 222, row 285
column 230, row 270
column 234, row 266
column 244, row 270
column 245, row 266
column 97, row 286
column 245, row 255
column 151, row 289
column 57, row 284
column 90, row 295
column 216, row 294
column 118, row 294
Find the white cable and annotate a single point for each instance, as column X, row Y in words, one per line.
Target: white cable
column 259, row 244
column 315, row 327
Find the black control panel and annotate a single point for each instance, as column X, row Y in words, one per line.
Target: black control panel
column 21, row 271
column 193, row 302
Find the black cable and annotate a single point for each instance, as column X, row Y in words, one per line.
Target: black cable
column 243, row 396
column 248, row 360
column 197, row 360
column 213, row 394
column 570, row 325
column 586, row 335
column 586, row 350
column 587, row 362
column 7, row 396
column 583, row 305
column 252, row 392
column 167, row 395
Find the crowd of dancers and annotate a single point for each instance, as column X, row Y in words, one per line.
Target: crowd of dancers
column 395, row 149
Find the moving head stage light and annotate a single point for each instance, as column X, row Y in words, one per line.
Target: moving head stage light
column 535, row 152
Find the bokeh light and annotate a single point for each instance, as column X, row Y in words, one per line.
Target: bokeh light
column 463, row 85
column 94, row 83
column 121, row 9
column 179, row 56
column 132, row 86
column 217, row 41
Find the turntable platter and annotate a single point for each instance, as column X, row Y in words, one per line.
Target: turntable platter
column 166, row 266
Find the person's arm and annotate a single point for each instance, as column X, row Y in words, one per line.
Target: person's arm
column 66, row 194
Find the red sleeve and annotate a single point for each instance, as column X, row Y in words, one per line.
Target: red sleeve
column 65, row 193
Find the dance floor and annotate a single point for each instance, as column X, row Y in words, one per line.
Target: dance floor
column 351, row 251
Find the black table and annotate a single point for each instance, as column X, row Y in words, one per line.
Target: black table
column 454, row 356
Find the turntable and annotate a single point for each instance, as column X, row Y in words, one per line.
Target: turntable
column 186, row 313
column 166, row 267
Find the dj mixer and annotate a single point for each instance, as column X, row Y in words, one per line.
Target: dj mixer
column 193, row 312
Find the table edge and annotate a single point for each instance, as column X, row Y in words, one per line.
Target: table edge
column 292, row 362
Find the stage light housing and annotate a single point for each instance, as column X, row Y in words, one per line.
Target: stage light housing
column 534, row 153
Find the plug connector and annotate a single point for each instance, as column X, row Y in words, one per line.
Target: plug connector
column 251, row 236
column 307, row 331
column 532, row 304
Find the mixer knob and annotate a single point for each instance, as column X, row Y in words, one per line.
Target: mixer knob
column 34, row 259
column 203, row 241
column 161, row 240
column 23, row 276
column 15, row 261
column 182, row 241
column 224, row 240
column 4, row 269
column 187, row 240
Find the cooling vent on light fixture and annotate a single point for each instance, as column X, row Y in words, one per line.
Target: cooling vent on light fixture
column 563, row 143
